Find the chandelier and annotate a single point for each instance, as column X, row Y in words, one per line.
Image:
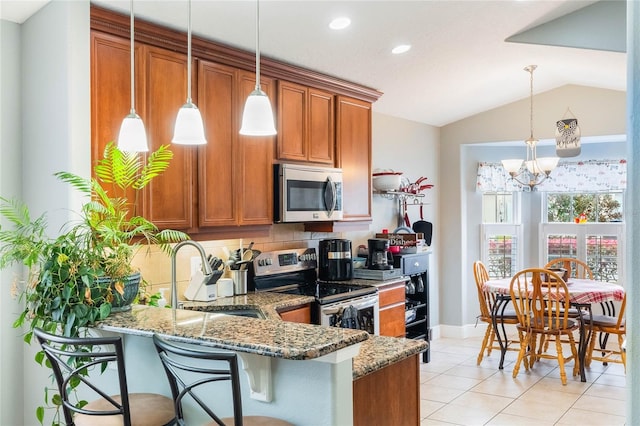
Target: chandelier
column 537, row 169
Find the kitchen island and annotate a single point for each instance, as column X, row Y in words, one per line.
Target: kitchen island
column 299, row 372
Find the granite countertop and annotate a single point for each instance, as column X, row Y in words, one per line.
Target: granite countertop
column 267, row 337
column 205, row 323
column 380, row 351
column 268, row 303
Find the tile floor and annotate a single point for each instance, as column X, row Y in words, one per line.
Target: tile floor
column 455, row 391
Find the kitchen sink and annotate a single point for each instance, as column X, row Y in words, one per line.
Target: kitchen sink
column 250, row 313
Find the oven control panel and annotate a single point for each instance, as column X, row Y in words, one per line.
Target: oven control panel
column 281, row 261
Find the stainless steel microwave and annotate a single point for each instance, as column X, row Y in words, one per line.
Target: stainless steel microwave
column 307, row 193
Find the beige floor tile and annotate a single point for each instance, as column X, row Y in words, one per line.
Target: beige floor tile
column 541, row 411
column 545, row 393
column 454, row 382
column 603, row 391
column 430, row 422
column 428, row 407
column 439, row 393
column 575, row 416
column 600, row 405
column 552, row 383
column 425, row 376
column 503, row 385
column 472, row 372
column 484, row 401
column 611, row 380
column 467, row 416
column 503, row 419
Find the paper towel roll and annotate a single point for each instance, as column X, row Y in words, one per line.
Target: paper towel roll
column 225, row 287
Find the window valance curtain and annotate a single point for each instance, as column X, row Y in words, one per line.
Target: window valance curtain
column 578, row 176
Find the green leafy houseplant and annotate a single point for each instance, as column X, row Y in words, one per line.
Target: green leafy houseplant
column 76, row 278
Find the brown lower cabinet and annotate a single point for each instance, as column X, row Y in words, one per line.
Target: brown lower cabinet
column 392, row 309
column 390, row 396
column 300, row 314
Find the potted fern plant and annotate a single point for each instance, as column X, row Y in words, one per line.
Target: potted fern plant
column 86, row 272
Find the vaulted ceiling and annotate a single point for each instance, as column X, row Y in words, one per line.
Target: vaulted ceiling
column 466, row 56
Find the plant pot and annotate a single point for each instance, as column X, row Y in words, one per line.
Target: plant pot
column 122, row 303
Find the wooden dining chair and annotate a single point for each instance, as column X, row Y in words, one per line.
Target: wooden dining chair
column 71, row 359
column 541, row 301
column 576, row 267
column 487, row 302
column 602, row 326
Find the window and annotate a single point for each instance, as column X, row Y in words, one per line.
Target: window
column 497, row 207
column 596, row 236
column 595, row 207
column 501, row 235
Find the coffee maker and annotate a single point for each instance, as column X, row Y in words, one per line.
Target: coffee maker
column 379, row 255
column 334, row 262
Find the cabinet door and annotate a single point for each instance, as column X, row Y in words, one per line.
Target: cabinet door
column 292, row 122
column 392, row 321
column 110, row 89
column 299, row 314
column 254, row 179
column 353, row 142
column 392, row 307
column 217, row 161
column 321, row 134
column 169, row 200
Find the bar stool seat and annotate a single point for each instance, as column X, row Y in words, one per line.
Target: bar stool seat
column 147, row 409
column 252, row 421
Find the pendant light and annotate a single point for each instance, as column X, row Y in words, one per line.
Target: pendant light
column 132, row 136
column 537, row 169
column 257, row 118
column 189, row 129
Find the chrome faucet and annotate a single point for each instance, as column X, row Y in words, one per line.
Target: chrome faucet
column 206, row 269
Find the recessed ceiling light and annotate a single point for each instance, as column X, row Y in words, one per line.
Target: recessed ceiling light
column 401, row 49
column 340, row 23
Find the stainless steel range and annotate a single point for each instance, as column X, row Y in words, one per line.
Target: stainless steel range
column 338, row 304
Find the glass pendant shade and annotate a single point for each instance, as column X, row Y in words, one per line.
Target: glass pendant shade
column 132, row 136
column 189, row 129
column 512, row 166
column 257, row 118
column 547, row 164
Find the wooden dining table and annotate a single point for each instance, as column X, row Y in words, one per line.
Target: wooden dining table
column 583, row 294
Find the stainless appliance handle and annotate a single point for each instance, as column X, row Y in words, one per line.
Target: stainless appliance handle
column 359, row 305
column 330, row 196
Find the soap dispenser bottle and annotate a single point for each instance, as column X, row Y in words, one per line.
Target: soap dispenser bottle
column 162, row 302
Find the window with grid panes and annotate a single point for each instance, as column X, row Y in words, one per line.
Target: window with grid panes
column 501, row 234
column 597, row 238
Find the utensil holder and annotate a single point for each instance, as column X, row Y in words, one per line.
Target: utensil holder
column 239, row 277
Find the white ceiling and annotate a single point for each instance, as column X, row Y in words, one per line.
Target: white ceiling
column 459, row 64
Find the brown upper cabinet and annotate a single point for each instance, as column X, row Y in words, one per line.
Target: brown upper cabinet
column 225, row 186
column 353, row 147
column 305, row 124
column 235, row 172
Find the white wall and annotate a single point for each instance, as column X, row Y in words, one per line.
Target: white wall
column 11, row 360
column 599, row 112
column 45, row 81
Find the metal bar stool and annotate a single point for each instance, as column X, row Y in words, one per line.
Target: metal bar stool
column 72, row 358
column 186, row 372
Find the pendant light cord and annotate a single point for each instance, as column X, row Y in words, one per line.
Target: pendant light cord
column 531, row 68
column 133, row 99
column 189, row 57
column 257, row 44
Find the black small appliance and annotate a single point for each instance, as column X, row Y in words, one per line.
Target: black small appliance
column 379, row 255
column 334, row 263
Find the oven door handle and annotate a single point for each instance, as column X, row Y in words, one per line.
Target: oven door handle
column 359, row 305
